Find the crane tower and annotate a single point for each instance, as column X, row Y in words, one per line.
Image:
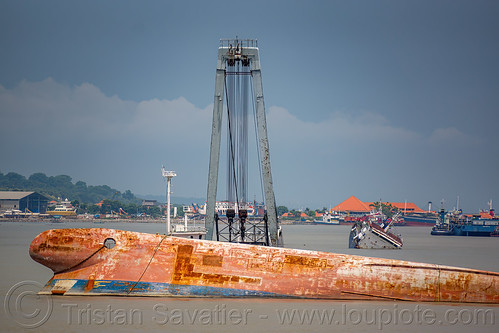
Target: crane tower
column 240, row 59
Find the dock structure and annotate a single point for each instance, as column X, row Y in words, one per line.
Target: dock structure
column 239, row 58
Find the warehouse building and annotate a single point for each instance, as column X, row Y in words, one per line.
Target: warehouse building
column 20, row 200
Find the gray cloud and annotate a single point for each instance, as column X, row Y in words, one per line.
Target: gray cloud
column 77, row 130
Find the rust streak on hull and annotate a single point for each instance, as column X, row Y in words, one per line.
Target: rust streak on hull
column 145, row 264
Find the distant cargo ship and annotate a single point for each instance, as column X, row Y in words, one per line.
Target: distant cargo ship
column 458, row 224
column 421, row 219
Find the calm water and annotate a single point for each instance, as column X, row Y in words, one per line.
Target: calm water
column 21, row 276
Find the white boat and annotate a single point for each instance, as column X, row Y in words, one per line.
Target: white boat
column 330, row 218
column 63, row 209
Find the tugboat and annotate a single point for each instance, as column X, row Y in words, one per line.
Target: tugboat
column 442, row 227
column 373, row 232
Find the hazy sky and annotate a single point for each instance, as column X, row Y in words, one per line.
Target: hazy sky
column 395, row 100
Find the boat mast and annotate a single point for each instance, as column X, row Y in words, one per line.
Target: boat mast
column 168, row 175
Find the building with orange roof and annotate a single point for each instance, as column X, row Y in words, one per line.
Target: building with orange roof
column 354, row 206
column 289, row 214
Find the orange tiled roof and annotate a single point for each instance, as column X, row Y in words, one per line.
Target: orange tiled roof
column 291, row 215
column 352, row 204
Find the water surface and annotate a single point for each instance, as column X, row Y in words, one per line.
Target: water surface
column 90, row 313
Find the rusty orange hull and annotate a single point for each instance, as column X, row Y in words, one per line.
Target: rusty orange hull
column 114, row 262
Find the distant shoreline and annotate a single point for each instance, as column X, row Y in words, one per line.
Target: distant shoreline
column 99, row 221
column 103, row 221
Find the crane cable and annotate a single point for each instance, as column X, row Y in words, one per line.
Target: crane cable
column 231, row 142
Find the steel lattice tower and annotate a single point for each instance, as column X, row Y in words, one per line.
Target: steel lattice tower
column 246, row 54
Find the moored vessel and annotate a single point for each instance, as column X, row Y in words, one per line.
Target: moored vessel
column 330, row 218
column 63, row 209
column 458, row 224
column 426, row 219
column 442, row 227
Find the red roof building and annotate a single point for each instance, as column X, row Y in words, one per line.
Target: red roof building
column 353, row 205
column 302, row 215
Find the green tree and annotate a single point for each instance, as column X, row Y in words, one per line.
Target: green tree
column 93, row 209
column 80, row 186
column 62, row 186
column 387, row 209
column 310, row 212
column 15, row 181
column 180, row 210
column 128, row 195
column 281, row 210
column 323, row 210
column 38, row 179
column 154, row 211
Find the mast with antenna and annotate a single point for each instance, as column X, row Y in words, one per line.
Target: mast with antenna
column 168, row 175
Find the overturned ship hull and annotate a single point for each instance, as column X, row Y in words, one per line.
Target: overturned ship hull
column 369, row 235
column 114, row 262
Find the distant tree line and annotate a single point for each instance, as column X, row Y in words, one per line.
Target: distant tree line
column 62, row 187
column 116, row 207
column 297, row 213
